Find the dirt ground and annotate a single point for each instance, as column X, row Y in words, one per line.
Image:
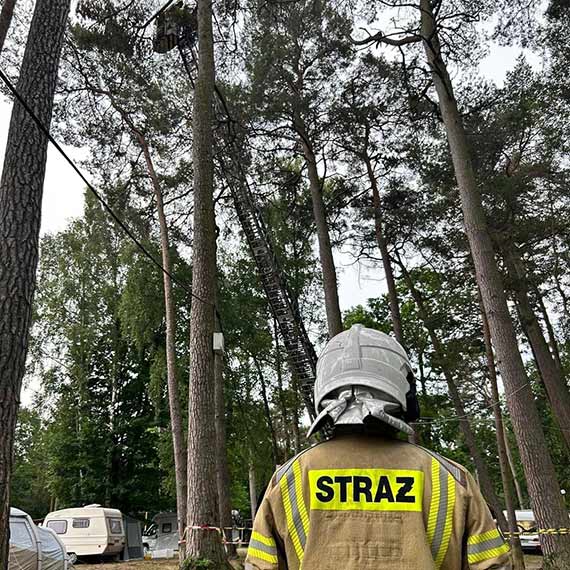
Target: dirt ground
column 532, row 563
column 159, row 564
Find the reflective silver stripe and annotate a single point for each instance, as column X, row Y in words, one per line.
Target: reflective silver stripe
column 453, row 469
column 441, row 512
column 263, row 547
column 485, row 545
column 295, row 508
column 288, row 464
column 283, row 469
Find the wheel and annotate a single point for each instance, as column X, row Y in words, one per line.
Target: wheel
column 72, row 557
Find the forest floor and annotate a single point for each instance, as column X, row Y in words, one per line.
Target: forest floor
column 532, row 563
column 158, row 564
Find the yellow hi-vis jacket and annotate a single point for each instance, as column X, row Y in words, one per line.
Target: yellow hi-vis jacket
column 361, row 502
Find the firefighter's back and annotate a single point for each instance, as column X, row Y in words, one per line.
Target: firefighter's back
column 365, row 500
column 368, row 501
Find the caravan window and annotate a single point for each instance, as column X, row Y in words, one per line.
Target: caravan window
column 166, row 528
column 59, row 527
column 80, row 523
column 116, row 526
column 20, row 534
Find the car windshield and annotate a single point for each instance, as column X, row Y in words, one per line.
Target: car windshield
column 150, row 530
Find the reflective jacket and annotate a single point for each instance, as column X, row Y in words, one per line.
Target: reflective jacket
column 368, row 503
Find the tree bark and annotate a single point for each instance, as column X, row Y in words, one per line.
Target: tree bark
column 223, row 474
column 202, row 508
column 252, row 489
column 267, row 410
column 518, row 489
column 21, row 189
column 296, row 406
column 332, row 306
column 517, row 553
column 6, row 20
column 176, row 425
column 280, row 393
column 544, row 489
column 556, row 388
column 393, row 300
column 551, row 335
column 486, row 483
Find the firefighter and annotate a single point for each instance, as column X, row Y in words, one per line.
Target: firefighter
column 365, row 500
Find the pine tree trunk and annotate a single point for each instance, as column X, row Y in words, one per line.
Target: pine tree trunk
column 295, row 413
column 486, row 483
column 176, row 425
column 386, row 262
column 223, row 474
column 332, row 306
column 6, row 20
column 543, row 486
column 252, row 489
column 281, row 395
column 556, row 388
column 267, row 410
column 202, row 508
column 21, row 189
column 551, row 335
column 516, row 549
column 518, row 489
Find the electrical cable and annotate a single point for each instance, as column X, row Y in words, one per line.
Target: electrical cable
column 97, row 195
column 469, row 416
column 156, row 15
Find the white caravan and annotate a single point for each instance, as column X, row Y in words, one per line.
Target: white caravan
column 89, row 531
column 162, row 537
column 526, row 524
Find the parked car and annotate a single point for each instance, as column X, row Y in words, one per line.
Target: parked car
column 89, row 531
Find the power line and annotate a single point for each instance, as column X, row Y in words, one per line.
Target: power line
column 156, row 15
column 97, row 195
column 469, row 416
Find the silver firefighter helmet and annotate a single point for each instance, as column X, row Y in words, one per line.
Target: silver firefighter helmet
column 364, row 373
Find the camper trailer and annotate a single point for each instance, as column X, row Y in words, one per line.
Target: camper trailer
column 33, row 547
column 89, row 531
column 526, row 523
column 162, row 537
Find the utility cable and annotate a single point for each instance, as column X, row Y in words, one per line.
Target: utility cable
column 97, row 195
column 156, row 15
column 469, row 416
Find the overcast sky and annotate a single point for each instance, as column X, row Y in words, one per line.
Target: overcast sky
column 63, row 198
column 63, row 194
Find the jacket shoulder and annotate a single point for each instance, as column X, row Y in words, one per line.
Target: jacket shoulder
column 282, row 470
column 457, row 471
